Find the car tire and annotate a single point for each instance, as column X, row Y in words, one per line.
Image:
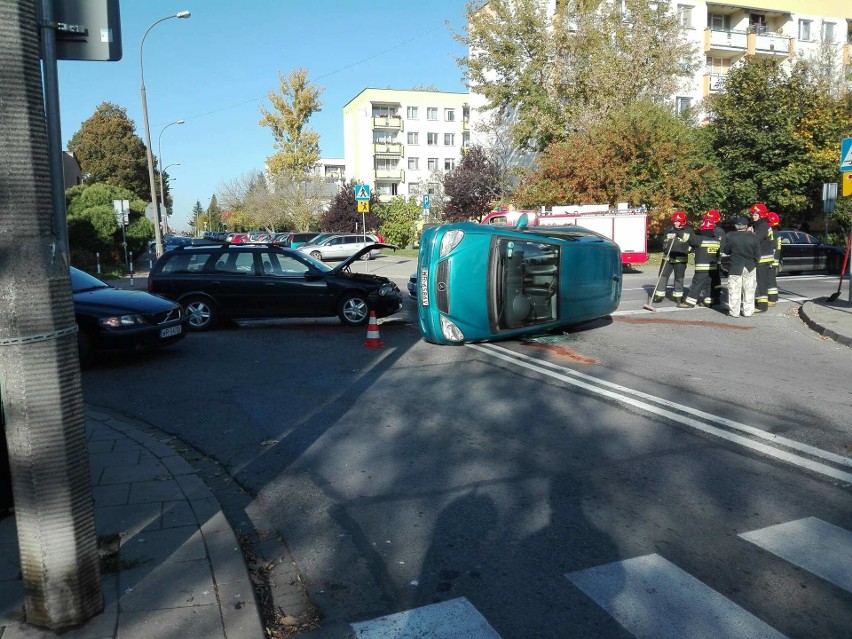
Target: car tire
column 353, row 309
column 316, row 255
column 203, row 314
column 365, row 256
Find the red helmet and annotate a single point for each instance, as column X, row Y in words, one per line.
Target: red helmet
column 708, row 224
column 713, row 215
column 773, row 218
column 679, row 216
column 758, row 208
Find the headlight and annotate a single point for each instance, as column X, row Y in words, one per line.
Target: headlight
column 387, row 288
column 450, row 330
column 450, row 241
column 122, row 320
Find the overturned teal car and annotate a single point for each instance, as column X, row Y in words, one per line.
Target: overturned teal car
column 478, row 282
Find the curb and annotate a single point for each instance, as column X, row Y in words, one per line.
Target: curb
column 810, row 319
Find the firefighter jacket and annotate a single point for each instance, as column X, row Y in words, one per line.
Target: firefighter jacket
column 678, row 240
column 744, row 249
column 766, row 237
column 706, row 245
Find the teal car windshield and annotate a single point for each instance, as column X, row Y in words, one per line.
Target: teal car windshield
column 523, row 278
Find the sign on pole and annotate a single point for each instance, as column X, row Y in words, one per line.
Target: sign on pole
column 362, row 193
column 122, row 208
column 363, row 206
column 847, row 183
column 846, row 154
column 426, row 201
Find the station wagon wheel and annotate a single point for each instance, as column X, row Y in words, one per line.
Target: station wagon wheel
column 202, row 313
column 365, row 256
column 316, row 255
column 353, row 310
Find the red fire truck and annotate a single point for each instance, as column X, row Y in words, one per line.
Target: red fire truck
column 627, row 227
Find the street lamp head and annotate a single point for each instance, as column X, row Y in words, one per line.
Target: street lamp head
column 179, row 121
column 183, row 14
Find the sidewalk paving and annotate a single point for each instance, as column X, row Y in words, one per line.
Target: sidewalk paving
column 179, row 571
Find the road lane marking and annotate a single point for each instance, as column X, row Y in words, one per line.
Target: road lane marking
column 822, row 549
column 446, row 620
column 622, row 394
column 654, row 599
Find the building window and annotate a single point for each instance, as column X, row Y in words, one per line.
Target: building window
column 805, row 30
column 384, row 137
column 450, row 115
column 383, row 111
column 684, row 16
column 413, row 163
column 433, row 188
column 431, row 113
column 432, row 139
column 828, row 32
column 720, row 22
column 449, row 139
column 449, row 164
column 413, row 188
column 412, row 139
column 465, row 140
column 411, row 113
column 757, row 22
column 385, row 164
column 682, row 104
column 432, row 164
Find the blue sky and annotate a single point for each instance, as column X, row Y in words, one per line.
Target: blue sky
column 215, row 69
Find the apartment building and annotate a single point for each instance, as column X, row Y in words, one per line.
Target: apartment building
column 400, row 142
column 726, row 33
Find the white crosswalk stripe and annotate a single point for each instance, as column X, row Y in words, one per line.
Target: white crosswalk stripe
column 823, row 549
column 649, row 596
column 454, row 619
column 654, row 599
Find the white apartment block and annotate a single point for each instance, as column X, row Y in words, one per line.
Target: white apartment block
column 401, row 142
column 725, row 33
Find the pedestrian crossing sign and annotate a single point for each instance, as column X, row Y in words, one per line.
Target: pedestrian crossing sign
column 846, row 155
column 362, row 193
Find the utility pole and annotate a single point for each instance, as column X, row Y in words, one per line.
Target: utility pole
column 41, row 397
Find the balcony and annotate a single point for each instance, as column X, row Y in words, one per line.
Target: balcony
column 466, row 124
column 387, row 148
column 769, row 45
column 725, row 43
column 388, row 122
column 390, row 175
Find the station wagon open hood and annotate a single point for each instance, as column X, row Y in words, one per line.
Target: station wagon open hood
column 363, row 251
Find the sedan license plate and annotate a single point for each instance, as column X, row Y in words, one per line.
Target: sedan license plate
column 170, row 331
column 424, row 287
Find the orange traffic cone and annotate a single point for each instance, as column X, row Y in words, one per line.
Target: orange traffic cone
column 373, row 340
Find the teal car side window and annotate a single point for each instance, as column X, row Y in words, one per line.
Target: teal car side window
column 525, row 276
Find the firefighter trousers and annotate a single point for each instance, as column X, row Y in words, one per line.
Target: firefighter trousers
column 772, row 288
column 761, row 296
column 679, row 270
column 700, row 289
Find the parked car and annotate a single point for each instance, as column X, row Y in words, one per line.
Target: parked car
column 479, row 282
column 264, row 280
column 412, row 285
column 294, row 240
column 801, row 251
column 110, row 319
column 340, row 246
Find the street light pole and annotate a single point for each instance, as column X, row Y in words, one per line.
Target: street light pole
column 162, row 192
column 158, row 233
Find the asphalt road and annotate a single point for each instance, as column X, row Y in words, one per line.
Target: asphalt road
column 581, row 485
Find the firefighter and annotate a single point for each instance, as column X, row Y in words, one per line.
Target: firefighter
column 716, row 273
column 705, row 243
column 772, row 289
column 676, row 246
column 766, row 237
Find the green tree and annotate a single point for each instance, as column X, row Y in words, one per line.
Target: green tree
column 214, row 214
column 343, row 215
column 110, row 152
column 642, row 154
column 93, row 226
column 199, row 218
column 398, row 220
column 297, row 147
column 777, row 134
column 472, row 187
column 551, row 74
